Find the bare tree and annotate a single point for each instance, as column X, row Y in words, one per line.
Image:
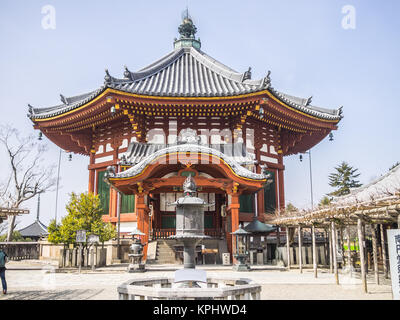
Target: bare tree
column 3, row 227
column 27, row 176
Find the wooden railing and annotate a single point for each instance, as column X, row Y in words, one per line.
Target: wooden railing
column 162, row 233
column 165, row 233
column 21, row 250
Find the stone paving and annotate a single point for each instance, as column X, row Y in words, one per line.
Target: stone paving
column 35, row 281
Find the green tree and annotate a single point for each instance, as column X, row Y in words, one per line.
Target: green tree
column 290, row 207
column 84, row 212
column 394, row 166
column 16, row 237
column 325, row 201
column 344, row 179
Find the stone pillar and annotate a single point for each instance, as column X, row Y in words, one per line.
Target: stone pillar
column 375, row 253
column 300, row 256
column 384, row 254
column 314, row 251
column 287, row 247
column 362, row 254
column 334, row 250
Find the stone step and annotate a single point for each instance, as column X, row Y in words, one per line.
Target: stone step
column 166, row 251
column 166, row 262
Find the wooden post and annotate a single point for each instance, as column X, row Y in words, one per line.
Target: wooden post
column 278, row 243
column 341, row 243
column 365, row 250
column 330, row 250
column 119, row 195
column 375, row 253
column 349, row 262
column 326, row 247
column 384, row 254
column 334, row 250
column 300, row 257
column 362, row 253
column 314, row 251
column 234, row 209
column 288, row 247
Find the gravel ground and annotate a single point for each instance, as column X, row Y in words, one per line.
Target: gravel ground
column 32, row 281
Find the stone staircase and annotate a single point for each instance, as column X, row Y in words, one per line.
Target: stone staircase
column 165, row 253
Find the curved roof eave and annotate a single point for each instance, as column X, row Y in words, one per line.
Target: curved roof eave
column 186, row 72
column 236, row 168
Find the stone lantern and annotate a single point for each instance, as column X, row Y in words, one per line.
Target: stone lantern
column 136, row 254
column 242, row 249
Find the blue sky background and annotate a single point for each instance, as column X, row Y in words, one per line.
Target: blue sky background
column 302, row 42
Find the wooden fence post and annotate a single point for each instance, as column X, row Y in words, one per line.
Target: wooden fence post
column 384, row 254
column 300, row 262
column 314, row 251
column 375, row 253
column 330, row 249
column 334, row 250
column 288, row 247
column 349, row 262
column 362, row 253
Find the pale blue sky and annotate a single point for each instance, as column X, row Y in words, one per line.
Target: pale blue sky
column 302, row 42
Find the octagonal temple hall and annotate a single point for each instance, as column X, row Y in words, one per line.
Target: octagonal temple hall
column 186, row 114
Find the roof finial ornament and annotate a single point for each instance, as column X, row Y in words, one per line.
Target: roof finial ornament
column 266, row 83
column 63, row 99
column 247, row 75
column 127, row 73
column 340, row 112
column 107, row 77
column 309, row 101
column 187, row 29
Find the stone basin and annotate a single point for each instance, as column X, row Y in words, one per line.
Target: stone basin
column 162, row 288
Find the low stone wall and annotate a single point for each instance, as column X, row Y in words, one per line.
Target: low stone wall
column 70, row 257
column 217, row 289
column 49, row 251
column 20, row 250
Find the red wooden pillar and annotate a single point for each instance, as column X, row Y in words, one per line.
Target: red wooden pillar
column 234, row 209
column 260, row 194
column 281, row 189
column 142, row 213
column 92, row 174
column 113, row 209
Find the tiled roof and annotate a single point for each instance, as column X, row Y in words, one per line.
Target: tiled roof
column 141, row 163
column 139, row 151
column 36, row 229
column 257, row 226
column 186, row 72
